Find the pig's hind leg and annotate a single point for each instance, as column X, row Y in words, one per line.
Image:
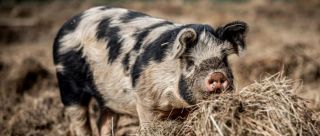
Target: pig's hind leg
column 75, row 98
column 107, row 122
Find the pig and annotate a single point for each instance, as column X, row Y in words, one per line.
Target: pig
column 137, row 65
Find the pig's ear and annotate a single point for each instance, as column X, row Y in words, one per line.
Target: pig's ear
column 185, row 38
column 235, row 33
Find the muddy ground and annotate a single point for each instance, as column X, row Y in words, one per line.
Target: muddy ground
column 283, row 36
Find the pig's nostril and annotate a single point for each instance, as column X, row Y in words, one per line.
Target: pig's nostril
column 222, row 81
column 210, row 81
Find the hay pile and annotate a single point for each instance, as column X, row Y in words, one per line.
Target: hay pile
column 265, row 108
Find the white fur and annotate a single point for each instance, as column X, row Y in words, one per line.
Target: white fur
column 206, row 48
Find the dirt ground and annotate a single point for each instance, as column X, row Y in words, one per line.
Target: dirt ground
column 284, row 36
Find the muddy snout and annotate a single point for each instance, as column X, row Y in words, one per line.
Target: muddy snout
column 216, row 82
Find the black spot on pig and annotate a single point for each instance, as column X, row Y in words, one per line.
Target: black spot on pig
column 153, row 52
column 139, row 38
column 72, row 24
column 111, row 35
column 125, row 62
column 184, row 91
column 102, row 28
column 114, row 45
column 141, row 35
column 132, row 15
column 76, row 80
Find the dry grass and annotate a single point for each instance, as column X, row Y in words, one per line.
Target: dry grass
column 268, row 107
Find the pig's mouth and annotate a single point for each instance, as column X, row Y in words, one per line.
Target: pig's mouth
column 218, row 88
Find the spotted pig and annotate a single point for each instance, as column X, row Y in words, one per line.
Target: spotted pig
column 138, row 65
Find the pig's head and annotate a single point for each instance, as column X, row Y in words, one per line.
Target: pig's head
column 202, row 54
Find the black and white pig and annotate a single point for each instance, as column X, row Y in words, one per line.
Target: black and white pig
column 141, row 66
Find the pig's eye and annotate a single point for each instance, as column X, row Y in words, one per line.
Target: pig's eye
column 190, row 65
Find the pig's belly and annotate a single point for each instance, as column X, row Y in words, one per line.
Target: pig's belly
column 115, row 88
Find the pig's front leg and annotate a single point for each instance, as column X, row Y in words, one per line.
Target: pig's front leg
column 146, row 115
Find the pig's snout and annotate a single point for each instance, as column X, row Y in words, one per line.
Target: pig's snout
column 216, row 82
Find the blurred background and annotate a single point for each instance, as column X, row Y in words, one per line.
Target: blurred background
column 284, row 35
